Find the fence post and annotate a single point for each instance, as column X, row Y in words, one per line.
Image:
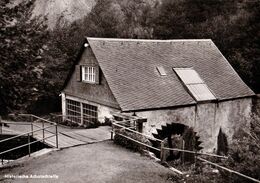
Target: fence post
column 56, row 130
column 32, row 128
column 1, row 124
column 195, row 160
column 162, row 155
column 43, row 135
column 183, row 153
column 29, row 145
column 112, row 132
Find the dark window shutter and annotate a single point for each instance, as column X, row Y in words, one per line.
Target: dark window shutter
column 78, row 72
column 97, row 75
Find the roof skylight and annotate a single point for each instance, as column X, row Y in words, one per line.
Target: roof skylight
column 194, row 84
column 161, row 71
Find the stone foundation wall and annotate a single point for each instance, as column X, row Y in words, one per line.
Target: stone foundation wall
column 206, row 119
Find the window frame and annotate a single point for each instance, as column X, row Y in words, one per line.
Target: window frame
column 88, row 74
column 81, row 112
column 73, row 110
column 161, row 71
column 190, row 83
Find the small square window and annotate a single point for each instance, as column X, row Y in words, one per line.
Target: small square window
column 161, row 71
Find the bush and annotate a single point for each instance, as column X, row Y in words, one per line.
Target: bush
column 244, row 153
column 107, row 122
column 129, row 143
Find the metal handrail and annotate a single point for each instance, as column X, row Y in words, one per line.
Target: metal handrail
column 126, row 128
column 9, row 150
column 26, row 123
column 26, row 133
column 16, row 123
column 43, row 119
column 45, row 129
column 37, row 117
column 37, row 126
column 32, row 124
column 157, row 149
column 229, row 170
column 193, row 152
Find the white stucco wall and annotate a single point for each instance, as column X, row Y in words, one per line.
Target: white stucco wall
column 206, row 119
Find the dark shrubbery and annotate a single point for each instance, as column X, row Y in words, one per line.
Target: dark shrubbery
column 243, row 157
column 244, row 153
column 129, row 143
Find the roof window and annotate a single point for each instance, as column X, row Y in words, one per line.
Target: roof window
column 161, row 71
column 193, row 82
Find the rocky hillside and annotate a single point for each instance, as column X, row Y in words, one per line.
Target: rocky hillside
column 58, row 11
column 62, row 11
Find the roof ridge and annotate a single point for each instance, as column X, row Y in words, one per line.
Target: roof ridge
column 148, row 40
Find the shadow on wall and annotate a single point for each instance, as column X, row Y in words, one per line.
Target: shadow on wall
column 256, row 105
column 222, row 148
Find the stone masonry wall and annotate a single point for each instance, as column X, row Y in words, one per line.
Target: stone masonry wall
column 206, row 119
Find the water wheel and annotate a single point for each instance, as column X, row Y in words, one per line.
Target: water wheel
column 178, row 136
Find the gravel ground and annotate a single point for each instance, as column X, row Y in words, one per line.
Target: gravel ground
column 95, row 163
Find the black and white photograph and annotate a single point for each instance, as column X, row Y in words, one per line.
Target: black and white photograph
column 130, row 91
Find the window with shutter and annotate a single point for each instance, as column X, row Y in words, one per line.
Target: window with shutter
column 90, row 74
column 78, row 73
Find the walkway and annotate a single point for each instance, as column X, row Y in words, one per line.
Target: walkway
column 78, row 137
column 103, row 162
column 67, row 137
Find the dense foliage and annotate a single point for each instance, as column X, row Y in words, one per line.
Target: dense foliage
column 244, row 153
column 35, row 61
column 31, row 67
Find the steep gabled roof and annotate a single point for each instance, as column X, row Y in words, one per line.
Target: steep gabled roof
column 130, row 67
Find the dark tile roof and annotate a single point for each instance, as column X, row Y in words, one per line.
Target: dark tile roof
column 130, row 69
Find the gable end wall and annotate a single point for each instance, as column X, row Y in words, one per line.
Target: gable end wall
column 98, row 93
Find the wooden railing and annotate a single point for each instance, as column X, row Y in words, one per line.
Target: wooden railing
column 117, row 125
column 122, row 125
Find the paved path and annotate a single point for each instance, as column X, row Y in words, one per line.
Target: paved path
column 102, row 162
